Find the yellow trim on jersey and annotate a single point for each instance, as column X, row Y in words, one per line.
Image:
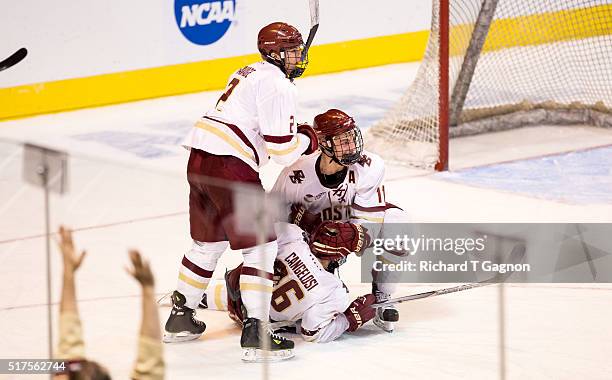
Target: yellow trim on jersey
column 192, row 282
column 218, row 301
column 256, row 287
column 282, row 152
column 369, row 218
column 225, row 137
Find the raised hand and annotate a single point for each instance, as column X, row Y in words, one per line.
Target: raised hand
column 72, row 260
column 141, row 270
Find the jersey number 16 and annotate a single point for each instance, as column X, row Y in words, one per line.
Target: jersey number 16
column 280, row 297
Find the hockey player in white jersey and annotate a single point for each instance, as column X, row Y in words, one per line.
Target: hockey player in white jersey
column 253, row 120
column 343, row 183
column 305, row 288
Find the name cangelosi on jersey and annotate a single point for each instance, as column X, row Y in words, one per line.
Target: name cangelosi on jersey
column 307, row 292
column 359, row 198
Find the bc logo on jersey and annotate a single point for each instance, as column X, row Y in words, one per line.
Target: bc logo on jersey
column 297, row 177
column 204, row 22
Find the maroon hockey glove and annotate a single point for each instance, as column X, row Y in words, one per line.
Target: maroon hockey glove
column 359, row 311
column 307, row 130
column 335, row 240
column 306, row 220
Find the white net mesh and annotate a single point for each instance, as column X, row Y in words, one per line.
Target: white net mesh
column 539, row 62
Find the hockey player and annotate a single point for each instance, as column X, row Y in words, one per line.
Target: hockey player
column 254, row 119
column 342, row 182
column 305, row 287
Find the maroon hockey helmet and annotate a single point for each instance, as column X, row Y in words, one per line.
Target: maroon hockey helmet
column 276, row 42
column 339, row 137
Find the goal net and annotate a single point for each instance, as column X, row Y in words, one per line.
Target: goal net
column 510, row 63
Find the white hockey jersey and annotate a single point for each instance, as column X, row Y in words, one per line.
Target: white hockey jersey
column 307, row 292
column 360, row 198
column 253, row 120
column 303, row 290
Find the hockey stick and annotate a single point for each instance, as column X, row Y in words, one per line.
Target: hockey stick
column 314, row 26
column 516, row 256
column 14, row 59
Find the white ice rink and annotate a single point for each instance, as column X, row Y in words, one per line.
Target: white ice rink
column 127, row 189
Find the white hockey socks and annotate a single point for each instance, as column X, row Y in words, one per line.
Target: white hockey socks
column 197, row 268
column 256, row 280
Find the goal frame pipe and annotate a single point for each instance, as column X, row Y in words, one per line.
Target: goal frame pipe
column 472, row 54
column 443, row 86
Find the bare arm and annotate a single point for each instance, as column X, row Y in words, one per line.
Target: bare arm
column 141, row 271
column 71, row 343
column 150, row 362
column 72, row 262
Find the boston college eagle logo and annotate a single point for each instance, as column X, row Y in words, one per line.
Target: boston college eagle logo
column 340, row 193
column 297, row 177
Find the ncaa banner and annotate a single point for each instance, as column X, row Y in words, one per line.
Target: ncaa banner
column 204, row 22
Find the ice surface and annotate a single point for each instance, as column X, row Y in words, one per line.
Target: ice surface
column 128, row 190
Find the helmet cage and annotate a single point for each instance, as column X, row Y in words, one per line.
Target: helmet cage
column 345, row 148
column 294, row 70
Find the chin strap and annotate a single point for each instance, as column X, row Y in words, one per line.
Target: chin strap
column 335, row 159
column 331, row 156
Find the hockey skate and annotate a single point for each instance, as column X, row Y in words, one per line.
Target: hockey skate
column 386, row 316
column 166, row 300
column 253, row 339
column 182, row 324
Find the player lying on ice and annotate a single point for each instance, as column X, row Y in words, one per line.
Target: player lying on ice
column 305, row 286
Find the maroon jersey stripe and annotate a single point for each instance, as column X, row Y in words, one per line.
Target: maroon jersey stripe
column 196, row 269
column 250, row 271
column 278, row 139
column 374, row 209
column 240, row 135
column 309, row 332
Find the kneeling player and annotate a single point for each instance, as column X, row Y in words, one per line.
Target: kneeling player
column 305, row 287
column 343, row 182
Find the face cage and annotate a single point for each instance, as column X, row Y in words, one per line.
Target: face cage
column 299, row 67
column 345, row 148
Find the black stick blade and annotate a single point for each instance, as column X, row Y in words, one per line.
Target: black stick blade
column 14, row 59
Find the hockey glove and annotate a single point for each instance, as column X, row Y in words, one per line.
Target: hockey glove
column 335, row 240
column 360, row 311
column 307, row 130
column 303, row 218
